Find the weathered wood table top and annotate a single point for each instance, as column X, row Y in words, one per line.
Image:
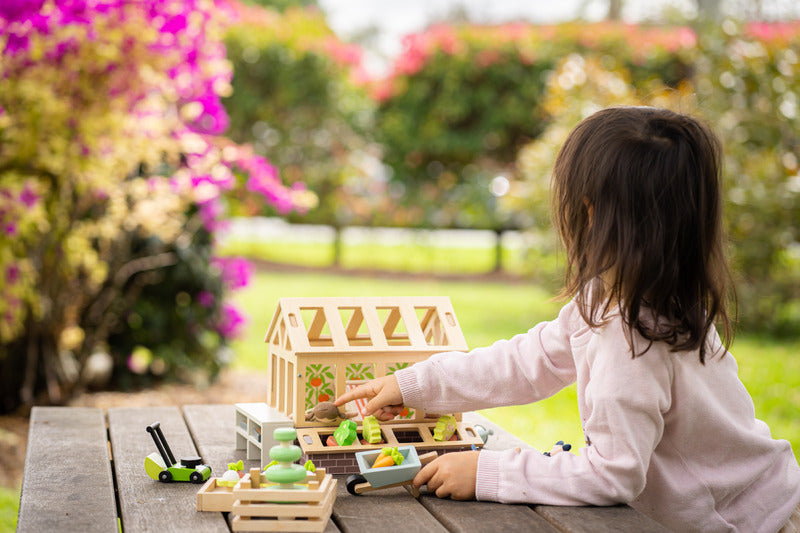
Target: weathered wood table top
column 84, row 472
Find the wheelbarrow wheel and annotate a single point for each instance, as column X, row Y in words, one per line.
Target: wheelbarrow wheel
column 352, row 481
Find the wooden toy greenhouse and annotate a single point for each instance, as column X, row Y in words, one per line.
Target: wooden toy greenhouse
column 320, row 347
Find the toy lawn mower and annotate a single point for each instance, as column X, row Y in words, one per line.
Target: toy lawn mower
column 162, row 466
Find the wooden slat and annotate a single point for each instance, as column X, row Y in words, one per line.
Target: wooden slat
column 67, row 483
column 296, row 329
column 617, row 519
column 413, row 327
column 376, row 333
column 354, row 323
column 146, row 504
column 464, row 517
column 383, row 511
column 317, row 324
column 471, row 516
column 335, row 326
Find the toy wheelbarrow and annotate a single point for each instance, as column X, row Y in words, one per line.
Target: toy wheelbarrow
column 387, row 476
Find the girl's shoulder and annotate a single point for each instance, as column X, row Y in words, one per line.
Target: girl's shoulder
column 615, row 341
column 572, row 321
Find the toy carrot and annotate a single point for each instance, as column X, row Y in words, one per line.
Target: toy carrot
column 383, row 460
column 388, row 457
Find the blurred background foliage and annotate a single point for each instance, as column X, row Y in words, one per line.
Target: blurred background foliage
column 120, row 159
column 463, row 128
column 294, row 99
column 113, row 173
column 474, row 95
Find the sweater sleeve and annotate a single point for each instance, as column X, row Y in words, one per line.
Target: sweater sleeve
column 625, row 401
column 526, row 368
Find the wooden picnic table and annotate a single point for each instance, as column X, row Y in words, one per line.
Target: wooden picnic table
column 84, row 472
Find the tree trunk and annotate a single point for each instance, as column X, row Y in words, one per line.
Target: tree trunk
column 498, row 250
column 709, row 10
column 614, row 10
column 337, row 246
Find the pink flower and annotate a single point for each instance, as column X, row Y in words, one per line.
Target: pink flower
column 342, row 53
column 206, row 299
column 225, row 181
column 19, row 9
column 12, row 273
column 28, row 197
column 263, row 180
column 446, row 38
column 210, row 211
column 214, row 119
column 235, row 271
column 486, row 58
column 231, row 322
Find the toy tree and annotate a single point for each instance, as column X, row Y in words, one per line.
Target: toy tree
column 286, row 473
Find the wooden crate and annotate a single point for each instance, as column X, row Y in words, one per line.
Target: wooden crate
column 215, row 497
column 256, row 508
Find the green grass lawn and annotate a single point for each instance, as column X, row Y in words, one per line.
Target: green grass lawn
column 9, row 504
column 491, row 311
column 417, row 257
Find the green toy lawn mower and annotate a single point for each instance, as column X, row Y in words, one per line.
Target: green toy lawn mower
column 162, row 466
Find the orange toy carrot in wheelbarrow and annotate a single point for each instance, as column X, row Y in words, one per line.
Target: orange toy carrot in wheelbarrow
column 388, row 457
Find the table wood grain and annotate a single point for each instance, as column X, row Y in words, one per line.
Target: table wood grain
column 84, row 471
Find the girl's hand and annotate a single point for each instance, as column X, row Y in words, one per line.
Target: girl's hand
column 451, row 475
column 385, row 399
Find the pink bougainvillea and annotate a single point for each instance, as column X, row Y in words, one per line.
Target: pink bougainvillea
column 235, row 271
column 95, row 95
column 231, row 321
column 487, row 44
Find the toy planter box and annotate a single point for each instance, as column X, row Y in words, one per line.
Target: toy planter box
column 215, row 495
column 342, row 460
column 256, row 504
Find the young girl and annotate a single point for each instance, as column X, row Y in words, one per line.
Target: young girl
column 669, row 427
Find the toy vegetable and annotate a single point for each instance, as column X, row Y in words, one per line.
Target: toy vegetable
column 346, row 433
column 371, row 430
column 445, row 428
column 398, row 475
column 327, row 413
column 388, row 457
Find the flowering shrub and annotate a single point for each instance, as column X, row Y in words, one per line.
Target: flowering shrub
column 748, row 85
column 294, row 99
column 112, row 182
column 743, row 82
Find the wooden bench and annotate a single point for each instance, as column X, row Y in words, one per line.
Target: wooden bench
column 84, row 471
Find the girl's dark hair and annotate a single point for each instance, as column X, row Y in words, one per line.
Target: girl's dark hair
column 637, row 202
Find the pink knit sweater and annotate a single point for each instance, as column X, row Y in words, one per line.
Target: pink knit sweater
column 675, row 439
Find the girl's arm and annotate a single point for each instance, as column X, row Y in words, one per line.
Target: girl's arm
column 624, row 402
column 526, row 368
